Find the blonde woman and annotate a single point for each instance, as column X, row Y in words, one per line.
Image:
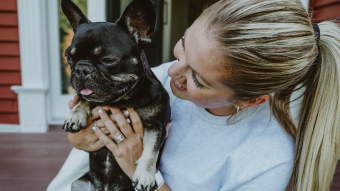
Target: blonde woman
column 255, row 97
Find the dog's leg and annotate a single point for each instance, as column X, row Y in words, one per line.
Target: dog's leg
column 78, row 119
column 144, row 176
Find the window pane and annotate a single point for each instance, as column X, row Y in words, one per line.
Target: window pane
column 66, row 34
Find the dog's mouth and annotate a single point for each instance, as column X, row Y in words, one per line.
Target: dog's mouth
column 101, row 92
column 87, row 92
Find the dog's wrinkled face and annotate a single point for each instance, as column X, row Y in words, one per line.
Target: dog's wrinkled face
column 105, row 57
column 104, row 60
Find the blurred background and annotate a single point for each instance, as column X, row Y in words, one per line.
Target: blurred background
column 34, row 78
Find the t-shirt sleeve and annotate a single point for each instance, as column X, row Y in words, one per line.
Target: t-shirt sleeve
column 161, row 72
column 275, row 178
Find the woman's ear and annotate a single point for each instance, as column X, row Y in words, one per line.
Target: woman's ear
column 254, row 102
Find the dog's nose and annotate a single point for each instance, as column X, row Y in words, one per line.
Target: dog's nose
column 83, row 70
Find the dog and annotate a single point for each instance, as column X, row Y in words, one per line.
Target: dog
column 109, row 67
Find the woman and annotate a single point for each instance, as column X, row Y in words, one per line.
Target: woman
column 234, row 123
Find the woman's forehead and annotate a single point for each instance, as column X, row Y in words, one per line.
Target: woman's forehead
column 203, row 53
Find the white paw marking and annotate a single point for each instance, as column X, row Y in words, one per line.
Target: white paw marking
column 144, row 178
column 78, row 118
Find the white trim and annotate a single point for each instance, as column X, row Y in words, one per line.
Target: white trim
column 305, row 4
column 9, row 128
column 167, row 31
column 96, row 10
column 38, row 32
column 33, row 113
column 57, row 101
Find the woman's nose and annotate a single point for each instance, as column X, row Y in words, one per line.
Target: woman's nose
column 177, row 69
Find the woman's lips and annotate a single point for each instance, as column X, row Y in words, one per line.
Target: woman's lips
column 179, row 85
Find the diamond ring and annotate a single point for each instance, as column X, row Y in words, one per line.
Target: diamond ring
column 119, row 138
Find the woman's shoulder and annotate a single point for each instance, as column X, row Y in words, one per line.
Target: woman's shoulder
column 161, row 71
column 267, row 154
column 267, row 143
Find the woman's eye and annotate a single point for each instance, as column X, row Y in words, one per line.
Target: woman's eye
column 196, row 82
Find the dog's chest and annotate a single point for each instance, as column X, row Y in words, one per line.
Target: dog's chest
column 106, row 173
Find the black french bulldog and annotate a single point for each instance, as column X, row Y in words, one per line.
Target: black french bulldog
column 109, row 67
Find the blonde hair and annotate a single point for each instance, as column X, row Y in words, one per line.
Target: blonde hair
column 272, row 49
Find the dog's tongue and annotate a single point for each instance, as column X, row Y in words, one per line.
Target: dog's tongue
column 86, row 92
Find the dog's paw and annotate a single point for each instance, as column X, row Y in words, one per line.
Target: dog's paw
column 76, row 122
column 144, row 181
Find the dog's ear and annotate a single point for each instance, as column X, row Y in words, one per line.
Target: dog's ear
column 139, row 19
column 73, row 14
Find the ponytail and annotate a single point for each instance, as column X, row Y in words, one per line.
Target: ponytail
column 318, row 136
column 280, row 60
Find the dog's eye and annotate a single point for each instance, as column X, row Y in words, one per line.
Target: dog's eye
column 110, row 60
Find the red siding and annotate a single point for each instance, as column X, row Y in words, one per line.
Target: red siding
column 9, row 34
column 325, row 9
column 9, row 61
column 8, row 19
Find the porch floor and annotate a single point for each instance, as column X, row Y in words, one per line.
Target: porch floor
column 29, row 161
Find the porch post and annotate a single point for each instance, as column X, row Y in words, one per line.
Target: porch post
column 32, row 94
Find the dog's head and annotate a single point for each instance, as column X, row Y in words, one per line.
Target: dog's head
column 105, row 57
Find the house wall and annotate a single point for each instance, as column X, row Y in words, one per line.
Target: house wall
column 325, row 10
column 9, row 62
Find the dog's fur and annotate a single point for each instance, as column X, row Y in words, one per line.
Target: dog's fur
column 108, row 63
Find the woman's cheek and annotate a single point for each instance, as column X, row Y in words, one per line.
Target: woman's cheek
column 194, row 93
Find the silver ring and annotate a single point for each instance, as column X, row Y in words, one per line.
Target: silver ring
column 119, row 138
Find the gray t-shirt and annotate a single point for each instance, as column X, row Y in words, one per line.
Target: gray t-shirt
column 204, row 153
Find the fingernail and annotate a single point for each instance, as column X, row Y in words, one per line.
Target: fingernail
column 94, row 128
column 100, row 111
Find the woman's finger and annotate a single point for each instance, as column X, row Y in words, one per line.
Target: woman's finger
column 136, row 122
column 121, row 121
column 97, row 145
column 109, row 124
column 94, row 112
column 105, row 139
column 74, row 101
column 100, row 124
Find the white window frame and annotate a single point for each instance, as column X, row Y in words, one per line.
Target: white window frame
column 39, row 58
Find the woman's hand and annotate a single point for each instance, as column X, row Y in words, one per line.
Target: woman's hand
column 85, row 139
column 128, row 124
column 103, row 129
